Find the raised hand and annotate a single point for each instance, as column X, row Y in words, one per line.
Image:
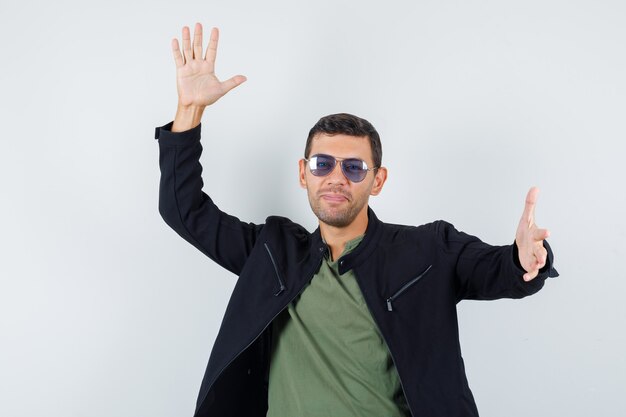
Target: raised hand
column 529, row 239
column 196, row 82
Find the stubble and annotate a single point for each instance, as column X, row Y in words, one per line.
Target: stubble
column 340, row 215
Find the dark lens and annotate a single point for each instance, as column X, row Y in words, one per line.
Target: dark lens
column 354, row 169
column 321, row 165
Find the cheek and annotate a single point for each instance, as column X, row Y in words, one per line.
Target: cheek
column 367, row 186
column 312, row 182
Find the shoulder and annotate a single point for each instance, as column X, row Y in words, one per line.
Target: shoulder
column 285, row 227
column 438, row 234
column 402, row 231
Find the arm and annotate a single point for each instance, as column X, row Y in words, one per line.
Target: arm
column 485, row 272
column 182, row 203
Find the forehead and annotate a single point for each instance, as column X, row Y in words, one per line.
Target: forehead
column 342, row 146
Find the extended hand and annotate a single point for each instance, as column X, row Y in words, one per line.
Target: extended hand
column 529, row 239
column 195, row 76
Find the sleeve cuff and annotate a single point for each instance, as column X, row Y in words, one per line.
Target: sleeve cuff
column 547, row 271
column 165, row 136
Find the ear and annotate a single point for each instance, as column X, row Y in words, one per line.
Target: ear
column 379, row 181
column 302, row 173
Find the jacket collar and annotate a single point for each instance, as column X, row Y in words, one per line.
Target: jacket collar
column 360, row 253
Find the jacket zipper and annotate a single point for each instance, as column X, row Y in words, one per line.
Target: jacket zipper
column 405, row 287
column 280, row 281
column 263, row 330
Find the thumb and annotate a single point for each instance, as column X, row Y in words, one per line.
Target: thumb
column 233, row 82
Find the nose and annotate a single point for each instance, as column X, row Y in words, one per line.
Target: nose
column 336, row 176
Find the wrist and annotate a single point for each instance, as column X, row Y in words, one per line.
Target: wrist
column 187, row 117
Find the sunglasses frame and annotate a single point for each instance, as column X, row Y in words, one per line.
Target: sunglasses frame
column 341, row 164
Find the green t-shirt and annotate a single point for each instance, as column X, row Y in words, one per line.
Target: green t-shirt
column 328, row 356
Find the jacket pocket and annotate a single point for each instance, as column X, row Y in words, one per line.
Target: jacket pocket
column 405, row 287
column 281, row 284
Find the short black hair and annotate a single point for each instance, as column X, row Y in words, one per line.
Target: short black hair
column 347, row 124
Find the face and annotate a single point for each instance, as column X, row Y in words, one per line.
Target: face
column 334, row 199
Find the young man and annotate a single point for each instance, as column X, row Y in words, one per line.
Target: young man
column 355, row 319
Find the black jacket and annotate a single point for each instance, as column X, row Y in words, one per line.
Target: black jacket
column 411, row 278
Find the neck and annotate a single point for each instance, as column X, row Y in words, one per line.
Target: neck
column 337, row 237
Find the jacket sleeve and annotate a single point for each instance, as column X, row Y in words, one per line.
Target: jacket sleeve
column 189, row 211
column 486, row 272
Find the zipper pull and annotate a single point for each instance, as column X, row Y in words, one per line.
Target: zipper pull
column 405, row 287
column 280, row 281
column 280, row 290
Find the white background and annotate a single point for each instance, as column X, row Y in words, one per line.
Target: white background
column 104, row 311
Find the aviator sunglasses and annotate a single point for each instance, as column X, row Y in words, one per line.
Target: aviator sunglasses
column 354, row 169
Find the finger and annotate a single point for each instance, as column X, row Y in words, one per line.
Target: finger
column 197, row 41
column 178, row 58
column 540, row 234
column 232, row 83
column 541, row 254
column 211, row 50
column 529, row 276
column 529, row 209
column 187, row 45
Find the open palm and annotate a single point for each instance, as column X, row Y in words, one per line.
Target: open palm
column 196, row 82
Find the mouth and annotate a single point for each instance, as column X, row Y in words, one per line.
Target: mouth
column 334, row 197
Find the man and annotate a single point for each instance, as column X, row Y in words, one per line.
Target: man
column 355, row 319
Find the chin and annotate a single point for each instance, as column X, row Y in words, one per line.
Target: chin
column 332, row 215
column 336, row 219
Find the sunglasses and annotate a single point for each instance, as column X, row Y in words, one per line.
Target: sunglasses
column 354, row 169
